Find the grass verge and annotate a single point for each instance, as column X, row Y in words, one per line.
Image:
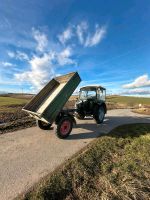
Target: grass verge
column 114, row 166
column 128, row 100
column 7, row 101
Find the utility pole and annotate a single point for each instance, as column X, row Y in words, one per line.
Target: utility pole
column 22, row 90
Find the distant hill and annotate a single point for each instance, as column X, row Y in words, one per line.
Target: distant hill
column 3, row 92
column 17, row 95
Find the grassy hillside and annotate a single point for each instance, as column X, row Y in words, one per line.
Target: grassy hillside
column 119, row 101
column 13, row 118
column 128, row 100
column 114, row 166
column 7, row 101
column 19, row 100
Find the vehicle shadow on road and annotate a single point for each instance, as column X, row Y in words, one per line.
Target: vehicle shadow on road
column 92, row 130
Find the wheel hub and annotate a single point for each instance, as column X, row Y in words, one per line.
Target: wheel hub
column 65, row 127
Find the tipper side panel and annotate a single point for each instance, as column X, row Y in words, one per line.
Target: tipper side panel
column 56, row 106
column 35, row 103
column 65, row 78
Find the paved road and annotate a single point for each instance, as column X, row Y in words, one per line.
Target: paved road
column 29, row 154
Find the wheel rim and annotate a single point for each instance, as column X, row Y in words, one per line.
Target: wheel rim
column 65, row 127
column 101, row 114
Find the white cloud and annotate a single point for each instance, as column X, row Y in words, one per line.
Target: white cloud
column 63, row 58
column 83, row 34
column 81, row 30
column 42, row 66
column 7, row 64
column 18, row 55
column 11, row 54
column 96, row 38
column 141, row 81
column 22, row 56
column 86, row 38
column 66, row 35
column 41, row 71
column 137, row 91
column 41, row 39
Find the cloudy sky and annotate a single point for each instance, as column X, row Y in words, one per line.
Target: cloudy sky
column 107, row 42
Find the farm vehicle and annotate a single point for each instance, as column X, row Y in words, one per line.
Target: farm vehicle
column 47, row 106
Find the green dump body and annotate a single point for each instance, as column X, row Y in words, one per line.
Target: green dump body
column 47, row 104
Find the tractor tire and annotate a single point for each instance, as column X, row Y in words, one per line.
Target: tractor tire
column 43, row 125
column 64, row 127
column 99, row 114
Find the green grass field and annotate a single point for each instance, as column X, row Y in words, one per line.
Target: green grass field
column 113, row 167
column 9, row 101
column 128, row 100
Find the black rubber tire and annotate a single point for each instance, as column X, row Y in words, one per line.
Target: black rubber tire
column 96, row 116
column 58, row 127
column 80, row 116
column 42, row 125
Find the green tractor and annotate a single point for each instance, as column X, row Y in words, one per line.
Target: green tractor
column 91, row 102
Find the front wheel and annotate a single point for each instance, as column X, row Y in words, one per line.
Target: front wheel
column 99, row 114
column 64, row 127
column 43, row 125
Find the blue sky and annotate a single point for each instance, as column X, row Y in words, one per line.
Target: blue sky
column 107, row 42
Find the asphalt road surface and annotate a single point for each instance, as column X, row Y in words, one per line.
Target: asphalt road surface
column 29, row 154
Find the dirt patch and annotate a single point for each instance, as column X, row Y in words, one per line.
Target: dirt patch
column 111, row 106
column 11, row 113
column 12, row 118
column 17, row 125
column 144, row 111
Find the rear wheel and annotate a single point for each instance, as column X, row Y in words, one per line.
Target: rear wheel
column 99, row 114
column 43, row 125
column 64, row 127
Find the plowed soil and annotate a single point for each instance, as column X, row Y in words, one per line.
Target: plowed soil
column 13, row 118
